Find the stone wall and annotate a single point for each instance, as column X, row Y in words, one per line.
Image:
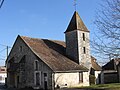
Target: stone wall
column 75, row 45
column 26, row 76
column 84, row 58
column 72, row 46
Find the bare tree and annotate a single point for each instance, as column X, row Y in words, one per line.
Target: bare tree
column 1, row 3
column 107, row 41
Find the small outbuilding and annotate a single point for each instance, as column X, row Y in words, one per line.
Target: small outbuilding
column 110, row 72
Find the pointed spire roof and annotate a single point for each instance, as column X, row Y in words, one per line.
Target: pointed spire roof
column 76, row 23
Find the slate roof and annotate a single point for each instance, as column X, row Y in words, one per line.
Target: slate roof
column 52, row 53
column 76, row 23
column 95, row 65
column 111, row 65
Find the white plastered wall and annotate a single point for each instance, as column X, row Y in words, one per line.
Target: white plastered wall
column 71, row 79
column 3, row 76
column 97, row 76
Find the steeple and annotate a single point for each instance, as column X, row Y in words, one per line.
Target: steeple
column 76, row 23
column 77, row 41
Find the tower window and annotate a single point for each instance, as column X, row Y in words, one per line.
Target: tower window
column 83, row 36
column 84, row 50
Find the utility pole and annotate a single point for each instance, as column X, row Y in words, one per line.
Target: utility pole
column 7, row 51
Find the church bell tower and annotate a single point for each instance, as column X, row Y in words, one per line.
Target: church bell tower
column 77, row 41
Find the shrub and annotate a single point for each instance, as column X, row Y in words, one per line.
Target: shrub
column 92, row 79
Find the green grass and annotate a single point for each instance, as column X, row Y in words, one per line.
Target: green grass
column 113, row 86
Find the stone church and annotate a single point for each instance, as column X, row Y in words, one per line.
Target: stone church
column 49, row 64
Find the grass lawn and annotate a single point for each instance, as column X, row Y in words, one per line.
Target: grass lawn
column 113, row 86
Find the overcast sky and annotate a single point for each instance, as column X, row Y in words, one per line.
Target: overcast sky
column 41, row 19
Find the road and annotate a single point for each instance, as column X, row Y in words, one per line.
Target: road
column 2, row 87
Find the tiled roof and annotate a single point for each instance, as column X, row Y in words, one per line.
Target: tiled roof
column 76, row 23
column 2, row 69
column 95, row 65
column 52, row 53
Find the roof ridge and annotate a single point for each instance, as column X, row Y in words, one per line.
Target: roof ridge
column 30, row 37
column 42, row 39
